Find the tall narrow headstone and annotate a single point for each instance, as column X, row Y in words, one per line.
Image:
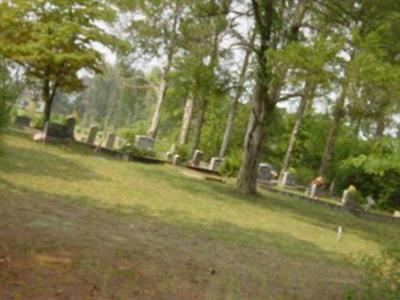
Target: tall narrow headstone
column 285, row 178
column 91, row 138
column 110, row 139
column 215, row 163
column 197, row 157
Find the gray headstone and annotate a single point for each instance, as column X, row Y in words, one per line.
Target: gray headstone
column 197, row 157
column 264, row 172
column 176, row 160
column 22, row 121
column 54, row 130
column 70, row 127
column 91, row 138
column 110, row 139
column 144, row 142
column 345, row 197
column 215, row 163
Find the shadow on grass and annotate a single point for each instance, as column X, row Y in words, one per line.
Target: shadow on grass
column 317, row 215
column 171, row 223
column 42, row 163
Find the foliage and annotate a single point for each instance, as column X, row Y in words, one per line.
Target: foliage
column 230, row 166
column 381, row 276
column 184, row 152
column 136, row 151
column 53, row 40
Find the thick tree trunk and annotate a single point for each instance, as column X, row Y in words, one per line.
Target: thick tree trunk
column 308, row 94
column 265, row 95
column 338, row 114
column 186, row 119
column 232, row 111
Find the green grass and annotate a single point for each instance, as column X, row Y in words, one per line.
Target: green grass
column 163, row 194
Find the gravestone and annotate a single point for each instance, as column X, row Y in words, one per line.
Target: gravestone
column 144, row 142
column 313, row 190
column 265, row 172
column 54, row 130
column 197, row 157
column 215, row 163
column 345, row 198
column 170, row 154
column 91, row 138
column 396, row 214
column 370, row 202
column 110, row 139
column 70, row 127
column 176, row 160
column 22, row 121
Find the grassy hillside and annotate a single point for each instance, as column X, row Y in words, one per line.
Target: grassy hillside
column 79, row 223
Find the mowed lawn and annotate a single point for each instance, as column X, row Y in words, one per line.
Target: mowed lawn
column 75, row 224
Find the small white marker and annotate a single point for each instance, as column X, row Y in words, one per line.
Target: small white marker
column 339, row 233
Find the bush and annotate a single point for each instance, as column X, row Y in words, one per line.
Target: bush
column 184, row 152
column 230, row 166
column 134, row 150
column 381, row 276
column 354, row 199
column 37, row 121
column 4, row 113
column 304, row 175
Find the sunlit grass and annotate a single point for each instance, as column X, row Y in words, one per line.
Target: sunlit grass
column 74, row 173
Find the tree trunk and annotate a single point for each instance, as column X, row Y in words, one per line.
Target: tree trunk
column 265, row 95
column 308, row 94
column 338, row 114
column 186, row 119
column 47, row 101
column 198, row 127
column 232, row 112
column 380, row 127
column 162, row 92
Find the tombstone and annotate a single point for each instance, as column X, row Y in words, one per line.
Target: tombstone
column 370, row 202
column 215, row 163
column 170, row 154
column 345, row 198
column 22, row 121
column 91, row 138
column 313, row 190
column 396, row 214
column 110, row 139
column 265, row 172
column 176, row 160
column 70, row 127
column 144, row 142
column 197, row 157
column 54, row 130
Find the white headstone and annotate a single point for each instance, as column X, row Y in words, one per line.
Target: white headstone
column 396, row 214
column 197, row 157
column 110, row 139
column 176, row 159
column 345, row 197
column 215, row 163
column 313, row 190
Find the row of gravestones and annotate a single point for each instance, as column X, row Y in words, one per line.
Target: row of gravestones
column 51, row 130
column 196, row 160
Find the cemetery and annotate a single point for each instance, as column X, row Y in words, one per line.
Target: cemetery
column 200, row 150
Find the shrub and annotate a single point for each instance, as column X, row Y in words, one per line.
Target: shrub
column 37, row 121
column 183, row 152
column 4, row 113
column 134, row 150
column 230, row 166
column 381, row 276
column 304, row 175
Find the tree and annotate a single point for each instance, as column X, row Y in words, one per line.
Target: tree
column 268, row 84
column 54, row 40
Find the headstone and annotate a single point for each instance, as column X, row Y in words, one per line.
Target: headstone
column 370, row 202
column 265, row 172
column 110, row 139
column 22, row 121
column 91, row 138
column 170, row 154
column 339, row 234
column 70, row 125
column 197, row 157
column 313, row 190
column 176, row 160
column 345, row 198
column 285, row 178
column 144, row 142
column 54, row 130
column 396, row 214
column 215, row 163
